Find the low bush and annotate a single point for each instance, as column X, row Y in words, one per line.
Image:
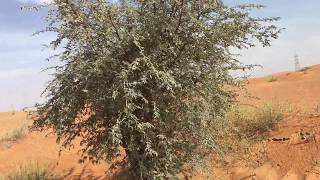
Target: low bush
column 242, row 131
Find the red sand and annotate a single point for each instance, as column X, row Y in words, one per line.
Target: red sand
column 298, row 88
column 35, row 147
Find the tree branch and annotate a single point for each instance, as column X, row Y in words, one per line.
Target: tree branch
column 180, row 17
column 114, row 27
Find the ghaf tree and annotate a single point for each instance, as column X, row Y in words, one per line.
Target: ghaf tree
column 147, row 78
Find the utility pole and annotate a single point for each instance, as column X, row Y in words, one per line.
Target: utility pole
column 296, row 63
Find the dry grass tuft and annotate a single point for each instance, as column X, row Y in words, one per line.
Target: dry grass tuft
column 248, row 126
column 13, row 136
column 272, row 79
column 30, row 171
column 255, row 122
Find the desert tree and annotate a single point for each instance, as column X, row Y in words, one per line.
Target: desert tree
column 144, row 84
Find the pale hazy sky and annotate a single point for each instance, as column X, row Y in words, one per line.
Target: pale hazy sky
column 22, row 56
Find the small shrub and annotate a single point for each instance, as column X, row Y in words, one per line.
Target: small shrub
column 272, row 79
column 240, row 139
column 254, row 123
column 30, row 171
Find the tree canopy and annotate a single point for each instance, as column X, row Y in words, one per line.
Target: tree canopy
column 146, row 79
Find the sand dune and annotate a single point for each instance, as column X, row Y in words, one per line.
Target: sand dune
column 299, row 88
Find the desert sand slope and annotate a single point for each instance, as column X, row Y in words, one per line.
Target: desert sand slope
column 37, row 148
column 299, row 88
column 297, row 159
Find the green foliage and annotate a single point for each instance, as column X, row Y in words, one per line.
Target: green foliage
column 30, row 171
column 148, row 77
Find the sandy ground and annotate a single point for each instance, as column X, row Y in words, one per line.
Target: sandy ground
column 298, row 88
column 36, row 147
column 289, row 161
column 298, row 161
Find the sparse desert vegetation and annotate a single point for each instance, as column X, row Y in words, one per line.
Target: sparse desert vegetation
column 248, row 127
column 272, row 79
column 254, row 122
column 8, row 138
column 29, row 171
